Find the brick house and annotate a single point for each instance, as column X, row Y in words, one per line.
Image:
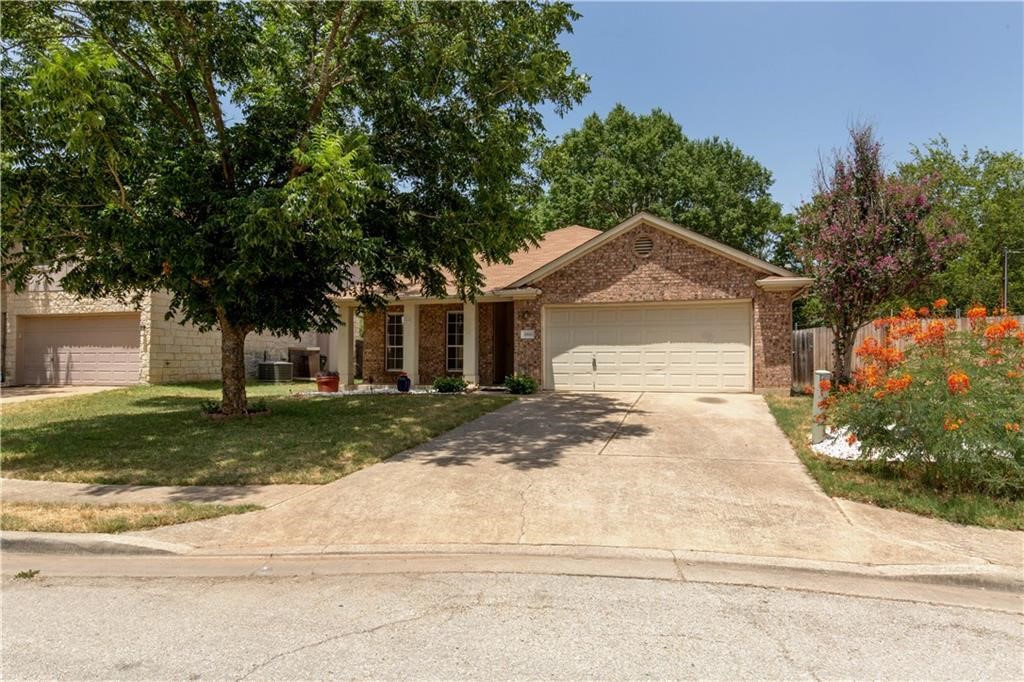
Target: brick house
column 646, row 305
column 52, row 337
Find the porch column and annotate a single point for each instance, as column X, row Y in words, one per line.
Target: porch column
column 470, row 344
column 411, row 341
column 343, row 350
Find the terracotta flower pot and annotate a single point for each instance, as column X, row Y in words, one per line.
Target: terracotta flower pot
column 327, row 384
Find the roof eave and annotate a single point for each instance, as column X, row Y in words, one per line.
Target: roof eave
column 495, row 295
column 795, row 284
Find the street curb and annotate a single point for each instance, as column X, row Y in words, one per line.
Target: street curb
column 25, row 542
column 629, row 562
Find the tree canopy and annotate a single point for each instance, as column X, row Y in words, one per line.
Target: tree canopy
column 255, row 158
column 984, row 194
column 609, row 169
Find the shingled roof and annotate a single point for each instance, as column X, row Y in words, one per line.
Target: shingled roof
column 552, row 245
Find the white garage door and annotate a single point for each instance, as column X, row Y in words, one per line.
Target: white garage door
column 695, row 347
column 78, row 349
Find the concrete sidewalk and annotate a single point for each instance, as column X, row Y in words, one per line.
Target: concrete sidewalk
column 17, row 490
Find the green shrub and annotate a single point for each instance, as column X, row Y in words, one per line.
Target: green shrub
column 950, row 403
column 521, row 384
column 450, row 384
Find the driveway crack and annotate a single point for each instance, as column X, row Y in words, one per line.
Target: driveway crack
column 618, row 427
column 522, row 511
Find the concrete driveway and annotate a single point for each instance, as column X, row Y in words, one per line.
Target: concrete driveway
column 21, row 394
column 704, row 473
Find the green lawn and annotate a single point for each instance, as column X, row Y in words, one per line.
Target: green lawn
column 156, row 435
column 893, row 486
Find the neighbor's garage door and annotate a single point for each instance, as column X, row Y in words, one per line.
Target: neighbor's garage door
column 695, row 347
column 78, row 349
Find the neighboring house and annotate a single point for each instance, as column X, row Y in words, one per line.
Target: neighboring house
column 646, row 306
column 52, row 337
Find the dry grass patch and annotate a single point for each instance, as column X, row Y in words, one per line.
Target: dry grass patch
column 108, row 518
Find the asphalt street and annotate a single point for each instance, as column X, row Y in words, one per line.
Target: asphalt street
column 485, row 626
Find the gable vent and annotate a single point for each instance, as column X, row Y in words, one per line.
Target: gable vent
column 643, row 246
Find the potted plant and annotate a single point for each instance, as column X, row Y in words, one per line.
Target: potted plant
column 327, row 382
column 404, row 383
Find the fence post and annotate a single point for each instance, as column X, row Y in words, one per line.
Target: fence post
column 818, row 428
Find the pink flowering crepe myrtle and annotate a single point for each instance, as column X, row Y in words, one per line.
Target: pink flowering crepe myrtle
column 868, row 237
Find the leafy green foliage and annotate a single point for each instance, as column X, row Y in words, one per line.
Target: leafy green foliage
column 985, row 196
column 521, row 384
column 950, row 403
column 450, row 384
column 892, row 485
column 608, row 170
column 255, row 159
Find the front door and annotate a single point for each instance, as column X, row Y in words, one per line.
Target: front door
column 504, row 353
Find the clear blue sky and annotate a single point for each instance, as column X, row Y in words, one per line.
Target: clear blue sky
column 783, row 81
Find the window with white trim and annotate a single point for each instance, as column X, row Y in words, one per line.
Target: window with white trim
column 455, row 339
column 394, row 333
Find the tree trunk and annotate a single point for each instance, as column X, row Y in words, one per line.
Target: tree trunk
column 232, row 367
column 842, row 354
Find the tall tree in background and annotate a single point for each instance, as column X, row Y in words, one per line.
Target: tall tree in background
column 868, row 238
column 607, row 170
column 985, row 195
column 246, row 156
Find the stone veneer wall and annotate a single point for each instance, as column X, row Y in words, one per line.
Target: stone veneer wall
column 182, row 353
column 168, row 351
column 50, row 299
column 676, row 270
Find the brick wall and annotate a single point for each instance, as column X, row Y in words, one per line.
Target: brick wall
column 676, row 270
column 373, row 347
column 485, row 329
column 528, row 353
column 433, row 341
column 773, row 338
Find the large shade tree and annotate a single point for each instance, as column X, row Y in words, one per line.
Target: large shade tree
column 609, row 169
column 867, row 238
column 984, row 193
column 255, row 158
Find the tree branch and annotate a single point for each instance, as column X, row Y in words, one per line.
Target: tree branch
column 193, row 108
column 218, row 121
column 151, row 77
column 328, row 75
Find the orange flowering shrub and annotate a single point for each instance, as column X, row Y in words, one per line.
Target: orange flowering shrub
column 948, row 400
column 958, row 382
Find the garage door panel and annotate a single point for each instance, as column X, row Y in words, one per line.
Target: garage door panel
column 100, row 349
column 670, row 348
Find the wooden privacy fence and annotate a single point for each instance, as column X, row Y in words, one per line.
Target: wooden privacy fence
column 812, row 348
